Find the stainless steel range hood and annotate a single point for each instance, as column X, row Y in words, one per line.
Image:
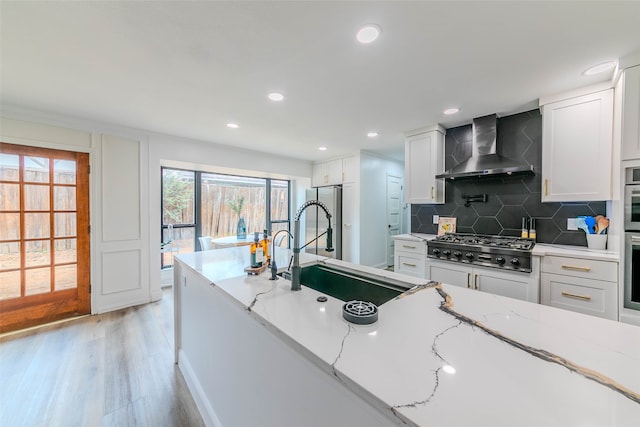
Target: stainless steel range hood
column 485, row 160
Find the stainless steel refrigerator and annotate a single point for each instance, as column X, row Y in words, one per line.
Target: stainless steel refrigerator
column 316, row 221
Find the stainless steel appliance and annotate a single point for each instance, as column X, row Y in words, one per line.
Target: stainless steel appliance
column 485, row 159
column 505, row 252
column 632, row 271
column 632, row 238
column 316, row 221
column 632, row 199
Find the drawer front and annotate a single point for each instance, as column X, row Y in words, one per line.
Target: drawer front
column 411, row 247
column 409, row 264
column 576, row 267
column 594, row 297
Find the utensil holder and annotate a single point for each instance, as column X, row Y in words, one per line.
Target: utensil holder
column 597, row 241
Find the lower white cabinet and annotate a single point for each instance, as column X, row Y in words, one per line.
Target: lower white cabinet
column 522, row 286
column 409, row 257
column 581, row 285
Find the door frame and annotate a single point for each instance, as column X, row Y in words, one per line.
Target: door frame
column 389, row 238
column 33, row 310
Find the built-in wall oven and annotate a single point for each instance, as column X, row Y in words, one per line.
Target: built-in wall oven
column 632, row 239
column 632, row 271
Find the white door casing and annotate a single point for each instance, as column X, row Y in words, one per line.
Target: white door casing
column 394, row 211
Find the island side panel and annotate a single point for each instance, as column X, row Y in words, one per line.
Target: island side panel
column 243, row 375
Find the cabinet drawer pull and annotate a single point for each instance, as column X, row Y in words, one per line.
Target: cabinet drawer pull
column 581, row 297
column 432, row 193
column 469, row 280
column 574, row 267
column 408, row 246
column 475, row 282
column 546, row 187
column 408, row 264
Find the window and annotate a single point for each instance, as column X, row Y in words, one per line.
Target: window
column 221, row 194
column 196, row 204
column 178, row 213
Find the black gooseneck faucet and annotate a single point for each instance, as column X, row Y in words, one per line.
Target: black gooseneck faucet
column 295, row 268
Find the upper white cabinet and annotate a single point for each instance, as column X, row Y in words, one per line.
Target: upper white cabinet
column 631, row 114
column 350, row 169
column 424, row 159
column 577, row 137
column 334, row 172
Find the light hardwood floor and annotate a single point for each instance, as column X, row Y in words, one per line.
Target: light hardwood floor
column 113, row 369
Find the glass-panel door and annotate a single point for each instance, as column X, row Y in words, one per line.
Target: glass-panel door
column 44, row 235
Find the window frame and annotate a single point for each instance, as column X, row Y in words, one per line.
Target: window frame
column 197, row 205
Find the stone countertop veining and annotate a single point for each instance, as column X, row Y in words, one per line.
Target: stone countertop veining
column 444, row 355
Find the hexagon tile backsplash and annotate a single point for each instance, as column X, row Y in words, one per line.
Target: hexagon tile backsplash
column 509, row 198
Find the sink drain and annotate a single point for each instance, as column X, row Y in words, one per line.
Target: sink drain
column 360, row 312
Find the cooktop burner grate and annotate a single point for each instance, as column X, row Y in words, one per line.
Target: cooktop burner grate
column 507, row 242
column 505, row 252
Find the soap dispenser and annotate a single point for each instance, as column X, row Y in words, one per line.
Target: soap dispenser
column 265, row 247
column 257, row 253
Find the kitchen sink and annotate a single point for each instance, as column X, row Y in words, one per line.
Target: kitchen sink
column 348, row 285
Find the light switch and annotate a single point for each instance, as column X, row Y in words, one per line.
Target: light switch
column 571, row 224
column 436, row 218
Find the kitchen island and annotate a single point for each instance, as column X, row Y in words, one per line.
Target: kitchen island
column 254, row 353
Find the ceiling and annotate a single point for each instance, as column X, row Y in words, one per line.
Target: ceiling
column 188, row 68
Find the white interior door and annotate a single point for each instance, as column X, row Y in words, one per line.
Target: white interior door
column 122, row 263
column 394, row 209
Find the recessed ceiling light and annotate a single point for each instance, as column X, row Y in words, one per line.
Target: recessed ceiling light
column 450, row 111
column 233, row 125
column 322, row 148
column 368, row 33
column 600, row 68
column 372, row 134
column 275, row 96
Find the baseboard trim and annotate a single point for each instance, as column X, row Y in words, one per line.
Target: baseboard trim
column 206, row 410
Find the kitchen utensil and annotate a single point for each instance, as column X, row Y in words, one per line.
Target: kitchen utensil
column 591, row 224
column 581, row 224
column 603, row 223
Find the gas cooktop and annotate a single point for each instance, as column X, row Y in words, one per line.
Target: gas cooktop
column 491, row 241
column 505, row 252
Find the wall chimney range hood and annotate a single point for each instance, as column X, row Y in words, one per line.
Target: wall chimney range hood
column 484, row 160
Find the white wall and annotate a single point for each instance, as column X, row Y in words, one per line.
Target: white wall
column 373, row 206
column 136, row 282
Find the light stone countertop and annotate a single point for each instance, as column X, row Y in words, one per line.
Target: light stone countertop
column 448, row 356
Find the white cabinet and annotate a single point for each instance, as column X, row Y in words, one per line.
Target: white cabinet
column 582, row 285
column 334, row 172
column 424, row 159
column 327, row 173
column 350, row 169
column 522, row 286
column 631, row 114
column 409, row 257
column 577, row 148
column 349, row 224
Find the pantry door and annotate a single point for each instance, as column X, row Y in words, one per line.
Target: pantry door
column 44, row 235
